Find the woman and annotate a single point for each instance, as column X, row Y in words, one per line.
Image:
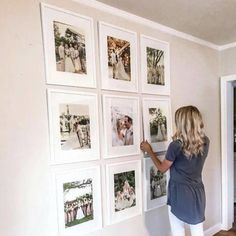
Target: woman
column 120, row 71
column 185, row 157
column 69, row 66
column 118, row 136
column 77, row 62
column 79, row 214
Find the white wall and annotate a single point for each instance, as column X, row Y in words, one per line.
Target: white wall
column 228, row 61
column 26, row 199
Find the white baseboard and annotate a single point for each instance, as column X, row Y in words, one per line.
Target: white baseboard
column 213, row 230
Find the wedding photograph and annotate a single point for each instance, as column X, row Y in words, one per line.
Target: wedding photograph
column 155, row 66
column 119, row 64
column 124, row 190
column 74, row 126
column 70, row 48
column 78, row 202
column 122, row 125
column 154, row 185
column 118, row 56
column 157, row 183
column 158, row 125
column 78, row 198
column 155, row 70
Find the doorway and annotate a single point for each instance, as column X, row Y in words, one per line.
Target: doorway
column 227, row 149
column 234, row 142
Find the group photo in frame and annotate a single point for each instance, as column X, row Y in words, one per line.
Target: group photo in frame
column 155, row 69
column 123, row 190
column 155, row 185
column 73, row 126
column 78, row 195
column 157, row 122
column 69, row 47
column 121, row 118
column 118, row 58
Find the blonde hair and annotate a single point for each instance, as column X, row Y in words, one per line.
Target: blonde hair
column 189, row 130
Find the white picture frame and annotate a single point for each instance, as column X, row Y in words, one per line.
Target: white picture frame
column 127, row 177
column 118, row 58
column 157, row 122
column 125, row 139
column 73, row 62
column 73, row 126
column 155, row 69
column 78, row 197
column 155, row 185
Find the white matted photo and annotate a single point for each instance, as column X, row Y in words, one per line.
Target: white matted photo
column 121, row 125
column 155, row 185
column 157, row 122
column 68, row 47
column 73, row 125
column 78, row 194
column 123, row 190
column 118, row 58
column 155, row 69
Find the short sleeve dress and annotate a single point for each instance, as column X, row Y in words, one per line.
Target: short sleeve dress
column 186, row 194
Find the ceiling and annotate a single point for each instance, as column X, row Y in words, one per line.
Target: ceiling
column 211, row 20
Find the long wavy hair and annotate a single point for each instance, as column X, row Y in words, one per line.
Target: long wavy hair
column 189, row 130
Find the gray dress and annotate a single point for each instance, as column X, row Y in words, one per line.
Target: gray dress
column 186, row 194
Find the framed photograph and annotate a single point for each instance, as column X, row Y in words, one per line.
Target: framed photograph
column 157, row 122
column 155, row 69
column 155, row 185
column 118, row 58
column 123, row 190
column 121, row 125
column 78, row 194
column 68, row 47
column 73, row 125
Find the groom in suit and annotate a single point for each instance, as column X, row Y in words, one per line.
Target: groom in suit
column 128, row 122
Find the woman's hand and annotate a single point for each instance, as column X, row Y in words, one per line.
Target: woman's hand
column 146, row 147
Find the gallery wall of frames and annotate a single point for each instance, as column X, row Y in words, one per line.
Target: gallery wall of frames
column 132, row 104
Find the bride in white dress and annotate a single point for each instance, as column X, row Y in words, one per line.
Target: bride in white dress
column 69, row 66
column 74, row 140
column 77, row 62
column 118, row 138
column 120, row 71
column 126, row 198
column 80, row 214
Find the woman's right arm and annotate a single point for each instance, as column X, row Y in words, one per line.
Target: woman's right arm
column 162, row 166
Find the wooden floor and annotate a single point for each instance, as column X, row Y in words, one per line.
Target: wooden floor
column 231, row 232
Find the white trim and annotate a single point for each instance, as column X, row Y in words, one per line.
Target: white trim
column 227, row 46
column 154, row 39
column 213, row 230
column 227, row 155
column 46, row 5
column 117, row 27
column 146, row 22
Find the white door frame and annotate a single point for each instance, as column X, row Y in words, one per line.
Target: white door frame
column 227, row 150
